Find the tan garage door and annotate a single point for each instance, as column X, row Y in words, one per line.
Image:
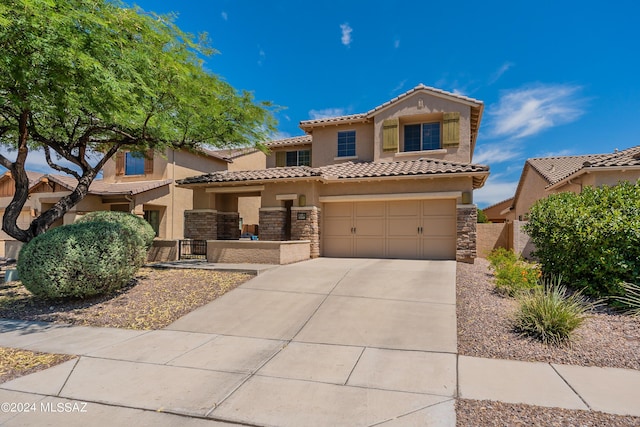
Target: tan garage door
column 411, row 229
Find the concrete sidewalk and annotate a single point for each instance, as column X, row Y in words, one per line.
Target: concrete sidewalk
column 327, row 342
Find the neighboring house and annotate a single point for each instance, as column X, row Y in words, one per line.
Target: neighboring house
column 137, row 184
column 394, row 182
column 547, row 175
column 497, row 212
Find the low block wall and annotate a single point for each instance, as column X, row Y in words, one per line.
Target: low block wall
column 258, row 252
column 492, row 236
column 163, row 251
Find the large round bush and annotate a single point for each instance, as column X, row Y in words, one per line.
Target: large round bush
column 591, row 239
column 134, row 223
column 80, row 260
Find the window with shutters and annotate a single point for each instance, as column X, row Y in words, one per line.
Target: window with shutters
column 423, row 136
column 293, row 158
column 132, row 163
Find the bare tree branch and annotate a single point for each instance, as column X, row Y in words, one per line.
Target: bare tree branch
column 47, row 153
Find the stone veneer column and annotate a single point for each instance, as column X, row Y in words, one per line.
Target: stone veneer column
column 201, row 224
column 271, row 224
column 307, row 228
column 228, row 226
column 467, row 219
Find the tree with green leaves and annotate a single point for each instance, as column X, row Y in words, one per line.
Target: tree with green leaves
column 82, row 79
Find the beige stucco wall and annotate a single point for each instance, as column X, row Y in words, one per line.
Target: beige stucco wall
column 325, row 144
column 409, row 111
column 251, row 161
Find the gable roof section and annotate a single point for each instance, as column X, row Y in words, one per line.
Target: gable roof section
column 477, row 108
column 290, row 142
column 554, row 169
column 348, row 170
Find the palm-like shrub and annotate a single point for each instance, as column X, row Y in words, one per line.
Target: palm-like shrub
column 550, row 314
column 631, row 298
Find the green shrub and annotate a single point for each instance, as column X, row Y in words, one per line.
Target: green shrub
column 80, row 260
column 549, row 314
column 134, row 223
column 516, row 278
column 592, row 239
column 501, row 256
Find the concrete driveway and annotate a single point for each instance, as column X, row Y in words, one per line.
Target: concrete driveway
column 327, row 342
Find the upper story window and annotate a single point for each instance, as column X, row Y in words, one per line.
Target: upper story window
column 132, row 163
column 424, row 136
column 347, row 143
column 293, row 158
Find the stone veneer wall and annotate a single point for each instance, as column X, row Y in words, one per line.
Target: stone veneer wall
column 201, row 224
column 307, row 229
column 228, row 225
column 272, row 224
column 467, row 219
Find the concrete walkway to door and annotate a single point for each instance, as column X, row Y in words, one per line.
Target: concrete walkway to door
column 328, row 342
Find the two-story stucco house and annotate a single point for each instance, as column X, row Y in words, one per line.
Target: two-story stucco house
column 143, row 185
column 394, row 182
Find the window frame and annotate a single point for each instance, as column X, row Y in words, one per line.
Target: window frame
column 421, row 134
column 348, row 151
column 297, row 154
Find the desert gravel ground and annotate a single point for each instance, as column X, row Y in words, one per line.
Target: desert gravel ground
column 153, row 300
column 484, row 330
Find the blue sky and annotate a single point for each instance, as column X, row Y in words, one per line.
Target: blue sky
column 556, row 77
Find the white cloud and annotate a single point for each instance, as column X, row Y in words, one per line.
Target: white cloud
column 530, row 110
column 396, row 43
column 494, row 192
column 495, row 153
column 224, row 16
column 458, row 92
column 261, row 56
column 399, row 87
column 326, row 113
column 346, row 34
column 500, row 71
column 565, row 152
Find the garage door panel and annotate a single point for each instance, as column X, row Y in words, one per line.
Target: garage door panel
column 366, row 247
column 369, row 209
column 438, row 207
column 335, row 210
column 439, row 226
column 402, row 227
column 338, row 247
column 337, row 227
column 406, row 248
column 403, row 208
column 370, row 227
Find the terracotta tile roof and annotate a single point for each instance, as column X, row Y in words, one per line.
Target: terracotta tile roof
column 400, row 168
column 341, row 171
column 555, row 169
column 252, row 175
column 287, row 142
column 334, row 120
column 100, row 188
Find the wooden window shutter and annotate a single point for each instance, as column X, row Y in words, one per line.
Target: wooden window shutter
column 281, row 159
column 451, row 130
column 119, row 163
column 390, row 135
column 148, row 162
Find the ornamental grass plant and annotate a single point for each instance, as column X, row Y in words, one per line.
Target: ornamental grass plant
column 550, row 313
